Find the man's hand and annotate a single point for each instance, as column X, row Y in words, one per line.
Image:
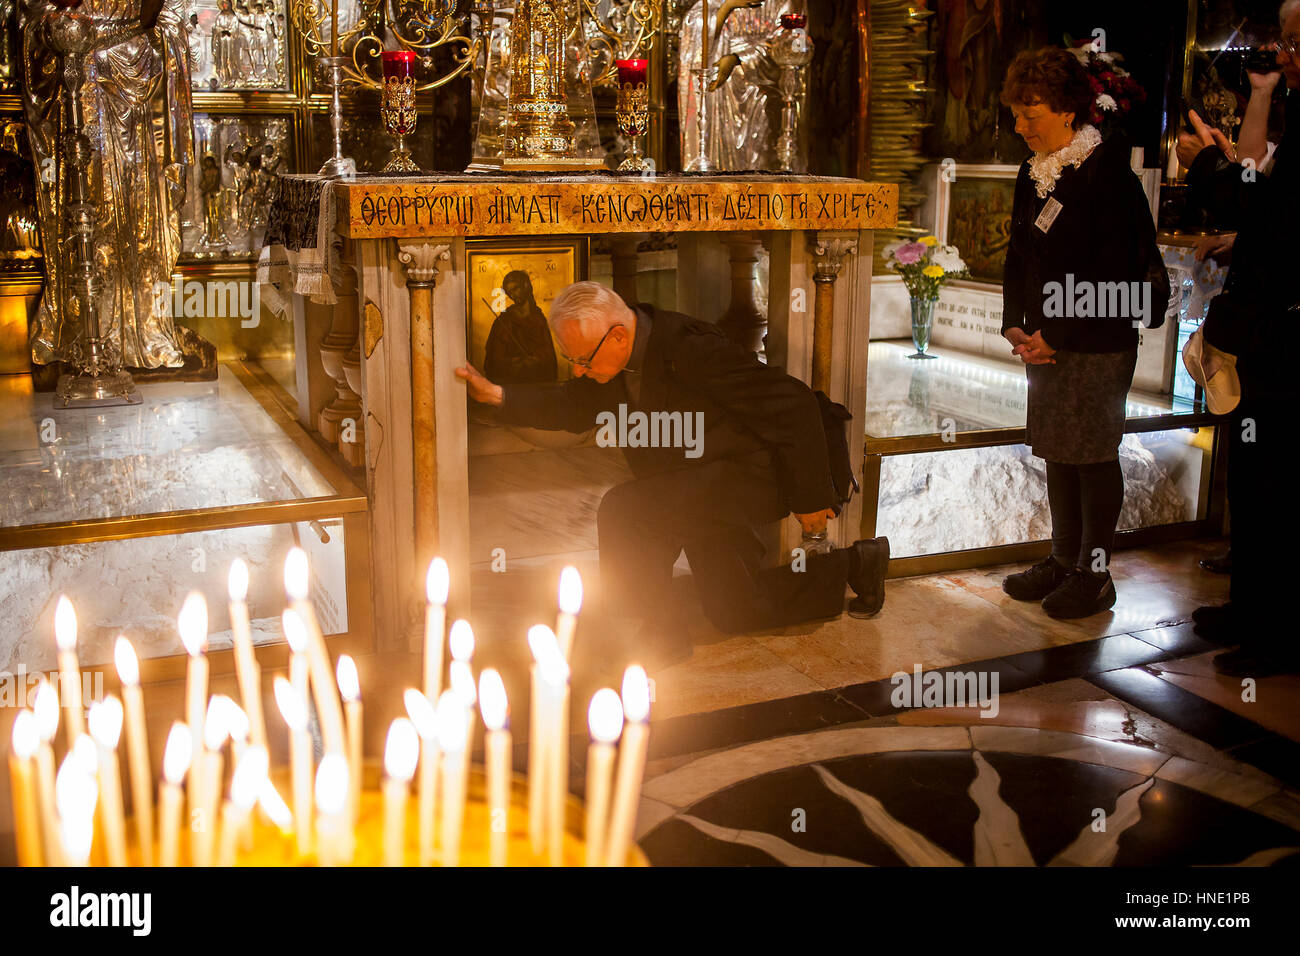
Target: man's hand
column 1190, row 144
column 815, row 523
column 1017, row 337
column 480, row 389
column 1211, row 247
column 1035, row 350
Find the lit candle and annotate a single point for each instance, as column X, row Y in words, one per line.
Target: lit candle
column 334, row 28
column 65, row 636
column 496, row 751
column 137, row 747
column 453, row 741
column 296, row 576
column 401, row 751
column 45, row 709
column 333, row 837
column 605, row 720
column 425, row 720
column 461, row 679
column 556, row 676
column 193, row 625
column 76, row 794
column 207, row 777
column 631, row 765
column 570, row 604
column 22, row 775
column 247, row 670
column 294, row 711
column 176, row 763
column 538, row 738
column 245, row 785
column 273, row 805
column 105, row 721
column 350, row 688
column 437, row 584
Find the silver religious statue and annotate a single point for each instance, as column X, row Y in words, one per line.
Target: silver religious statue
column 133, row 167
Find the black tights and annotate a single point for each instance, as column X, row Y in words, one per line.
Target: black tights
column 1085, row 502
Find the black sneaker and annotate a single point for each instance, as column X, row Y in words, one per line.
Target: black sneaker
column 1037, row 582
column 867, row 576
column 1081, row 595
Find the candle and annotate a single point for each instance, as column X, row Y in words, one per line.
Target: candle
column 538, row 738
column 273, row 805
column 496, row 747
column 704, row 34
column 294, row 711
column 247, row 670
column 631, row 765
column 76, row 795
column 333, row 838
column 425, row 720
column 570, row 604
column 296, row 575
column 45, row 710
column 350, row 688
column 206, row 777
column 176, row 762
column 137, row 747
column 192, row 623
column 22, row 787
column 334, row 28
column 401, row 751
column 453, row 730
column 556, row 677
column 65, row 636
column 461, row 679
column 245, row 785
column 106, row 728
column 605, row 720
column 437, row 583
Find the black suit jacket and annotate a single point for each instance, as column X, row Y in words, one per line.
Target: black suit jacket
column 752, row 412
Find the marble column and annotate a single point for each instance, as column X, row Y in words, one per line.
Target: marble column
column 352, row 441
column 743, row 322
column 341, row 338
column 828, row 251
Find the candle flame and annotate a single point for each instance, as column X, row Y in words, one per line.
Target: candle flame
column 273, row 805
column 421, row 713
column 193, row 623
column 492, row 699
column 349, row 684
column 237, row 722
column 45, row 707
column 401, row 750
column 605, row 716
column 177, row 754
column 292, row 707
column 551, row 665
column 437, row 582
column 636, row 694
column 26, row 737
column 128, row 665
column 295, row 631
column 462, row 683
column 65, row 624
column 296, row 574
column 83, row 751
column 332, row 784
column 570, row 590
column 105, row 720
column 237, row 582
column 461, row 641
column 453, row 723
column 249, row 775
column 215, row 724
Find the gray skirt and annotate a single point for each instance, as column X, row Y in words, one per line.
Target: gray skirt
column 1077, row 407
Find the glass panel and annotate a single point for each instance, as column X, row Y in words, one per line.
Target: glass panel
column 237, row 46
column 933, row 502
column 968, row 393
column 136, row 587
column 189, row 445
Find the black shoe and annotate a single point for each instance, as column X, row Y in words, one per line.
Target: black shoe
column 1253, row 662
column 867, row 570
column 1037, row 582
column 1081, row 595
column 1219, row 565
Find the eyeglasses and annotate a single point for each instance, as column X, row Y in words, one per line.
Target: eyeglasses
column 586, row 362
column 1290, row 46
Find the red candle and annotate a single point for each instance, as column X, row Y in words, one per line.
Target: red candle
column 398, row 64
column 793, row 21
column 631, row 71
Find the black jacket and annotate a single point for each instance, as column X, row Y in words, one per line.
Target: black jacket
column 1103, row 234
column 751, row 411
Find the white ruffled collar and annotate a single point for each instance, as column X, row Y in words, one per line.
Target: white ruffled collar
column 1046, row 168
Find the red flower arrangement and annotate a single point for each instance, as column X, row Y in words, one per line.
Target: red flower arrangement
column 1116, row 92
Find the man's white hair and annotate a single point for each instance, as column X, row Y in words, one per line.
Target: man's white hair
column 1288, row 7
column 594, row 307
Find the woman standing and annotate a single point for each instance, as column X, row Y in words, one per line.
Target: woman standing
column 1082, row 272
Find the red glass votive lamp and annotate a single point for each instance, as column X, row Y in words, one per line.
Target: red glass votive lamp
column 793, row 21
column 631, row 71
column 397, row 106
column 398, row 64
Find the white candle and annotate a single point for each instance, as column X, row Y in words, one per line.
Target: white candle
column 605, row 720
column 631, row 765
column 273, row 805
column 537, row 759
column 425, row 720
column 570, row 604
column 245, row 785
column 294, row 711
column 461, row 679
column 350, row 689
column 453, row 742
column 296, row 576
column 176, row 763
column 553, row 693
column 496, row 752
column 247, row 670
column 106, row 729
column 45, row 710
column 22, row 787
column 137, row 747
column 437, row 584
column 401, row 751
column 76, row 794
column 193, row 625
column 333, row 839
column 65, row 636
column 210, row 766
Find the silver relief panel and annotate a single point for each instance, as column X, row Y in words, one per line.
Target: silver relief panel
column 237, row 44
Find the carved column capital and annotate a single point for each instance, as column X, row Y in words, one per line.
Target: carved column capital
column 420, row 260
column 828, row 250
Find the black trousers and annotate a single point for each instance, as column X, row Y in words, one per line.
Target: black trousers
column 1264, row 526
column 1085, row 501
column 711, row 511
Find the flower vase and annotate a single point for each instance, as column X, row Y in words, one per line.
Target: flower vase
column 922, row 322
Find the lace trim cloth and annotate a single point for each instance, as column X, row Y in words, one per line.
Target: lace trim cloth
column 1046, row 168
column 300, row 252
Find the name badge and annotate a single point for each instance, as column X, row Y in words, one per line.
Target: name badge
column 1048, row 215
